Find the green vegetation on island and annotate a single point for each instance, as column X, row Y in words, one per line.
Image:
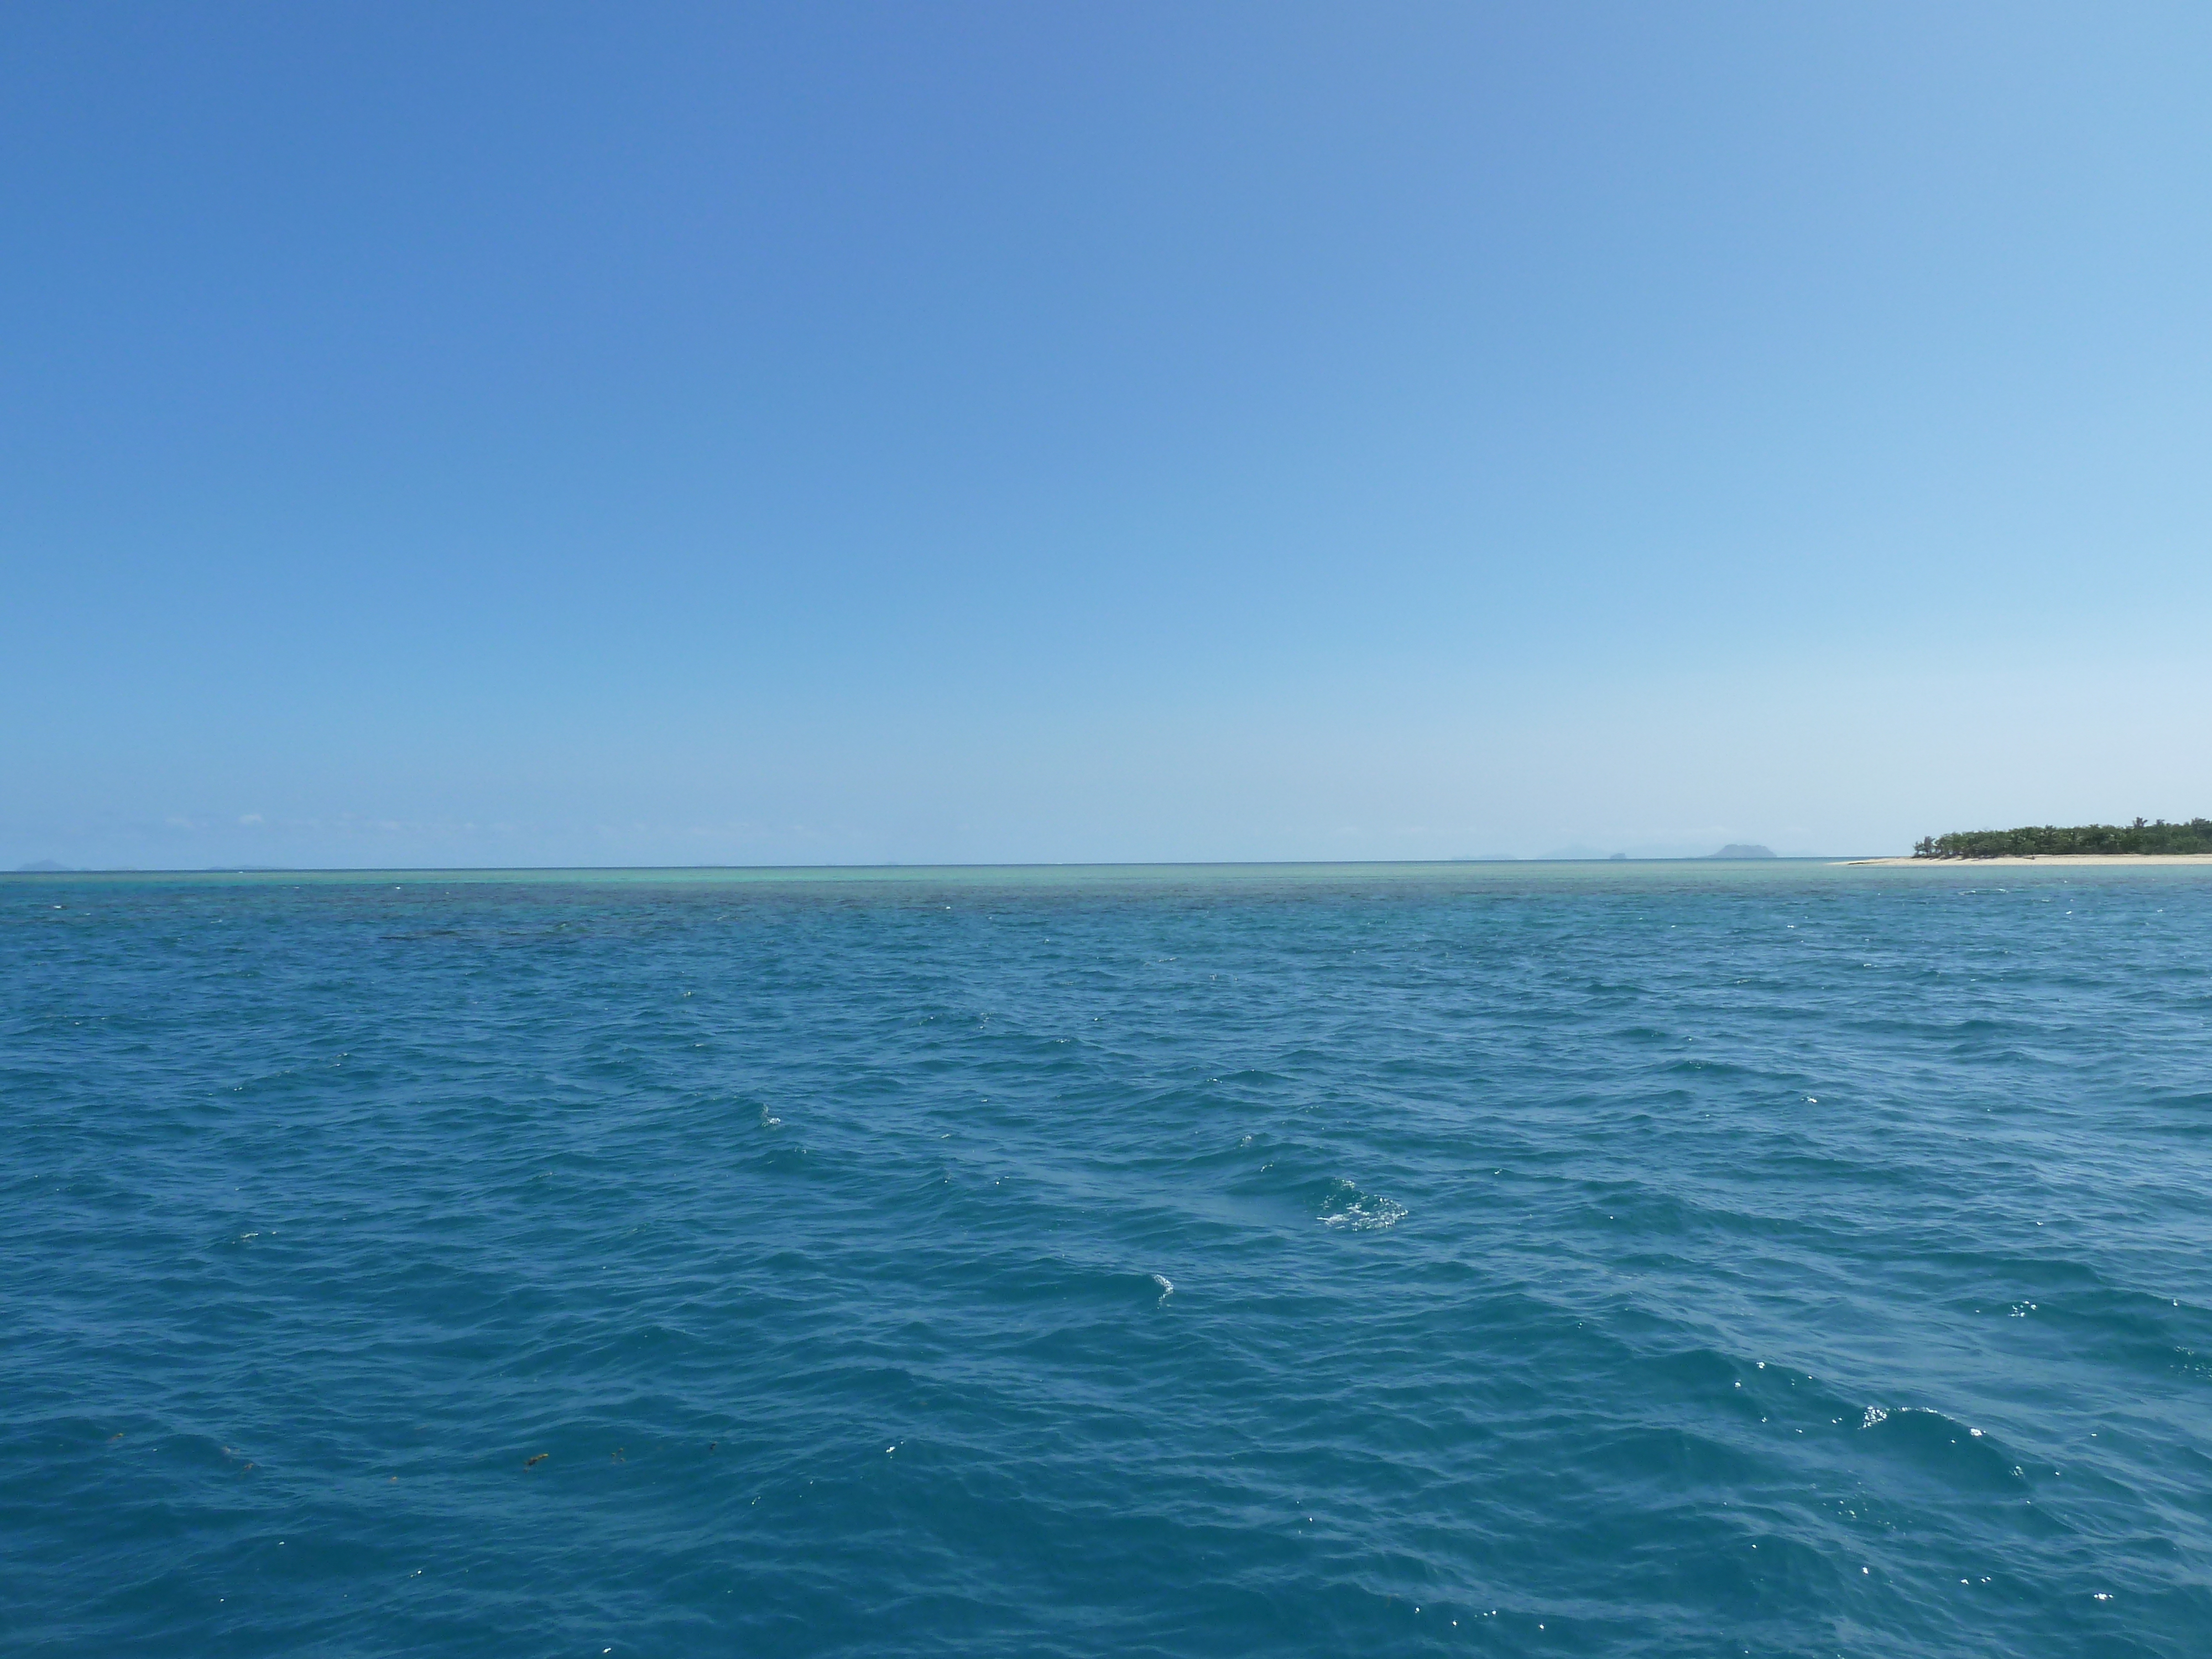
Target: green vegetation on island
column 2049, row 841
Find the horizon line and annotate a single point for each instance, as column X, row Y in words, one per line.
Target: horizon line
column 1013, row 864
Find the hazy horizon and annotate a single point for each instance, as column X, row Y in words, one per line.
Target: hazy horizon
column 54, row 866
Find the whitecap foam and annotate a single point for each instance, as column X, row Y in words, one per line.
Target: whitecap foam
column 1354, row 1211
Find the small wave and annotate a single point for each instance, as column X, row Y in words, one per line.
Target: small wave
column 1942, row 1447
column 1166, row 1284
column 1348, row 1208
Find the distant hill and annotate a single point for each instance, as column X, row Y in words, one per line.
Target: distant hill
column 43, row 867
column 1743, row 849
column 2050, row 840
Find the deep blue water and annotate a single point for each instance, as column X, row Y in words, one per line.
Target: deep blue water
column 1665, row 1259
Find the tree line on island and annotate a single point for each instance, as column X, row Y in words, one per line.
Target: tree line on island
column 2050, row 840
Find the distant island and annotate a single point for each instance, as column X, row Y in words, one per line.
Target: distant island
column 2050, row 840
column 1743, row 849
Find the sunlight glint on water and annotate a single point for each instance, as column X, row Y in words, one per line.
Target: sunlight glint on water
column 1667, row 1259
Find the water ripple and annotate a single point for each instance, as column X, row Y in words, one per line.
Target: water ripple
column 1636, row 1261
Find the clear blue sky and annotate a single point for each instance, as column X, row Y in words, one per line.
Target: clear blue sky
column 814, row 434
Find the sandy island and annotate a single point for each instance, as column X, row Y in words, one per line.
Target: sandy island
column 2068, row 860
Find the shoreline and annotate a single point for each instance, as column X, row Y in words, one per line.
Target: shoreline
column 2068, row 861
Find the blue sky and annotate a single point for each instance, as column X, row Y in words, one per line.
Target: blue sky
column 847, row 433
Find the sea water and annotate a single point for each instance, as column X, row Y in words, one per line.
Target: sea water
column 1649, row 1260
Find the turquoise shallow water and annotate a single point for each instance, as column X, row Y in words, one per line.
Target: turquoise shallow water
column 1656, row 1260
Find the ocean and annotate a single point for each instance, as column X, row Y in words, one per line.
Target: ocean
column 1770, row 1258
